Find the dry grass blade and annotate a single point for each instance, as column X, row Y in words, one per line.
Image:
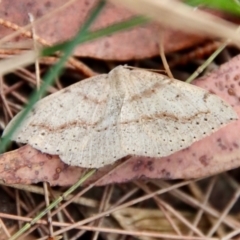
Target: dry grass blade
column 179, row 16
column 22, row 60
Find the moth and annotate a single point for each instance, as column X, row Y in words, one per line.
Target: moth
column 97, row 121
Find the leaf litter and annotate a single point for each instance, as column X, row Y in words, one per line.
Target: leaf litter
column 214, row 217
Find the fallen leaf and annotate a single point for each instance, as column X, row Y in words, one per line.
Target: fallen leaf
column 137, row 43
column 27, row 165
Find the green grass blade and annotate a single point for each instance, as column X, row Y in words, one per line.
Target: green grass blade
column 52, row 205
column 224, row 5
column 90, row 36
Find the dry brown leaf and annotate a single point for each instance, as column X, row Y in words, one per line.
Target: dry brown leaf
column 27, row 165
column 216, row 153
column 137, row 43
